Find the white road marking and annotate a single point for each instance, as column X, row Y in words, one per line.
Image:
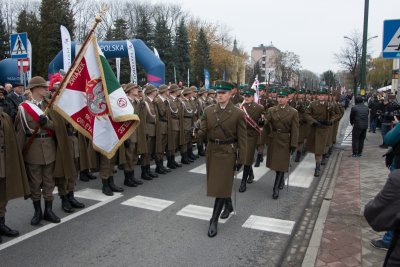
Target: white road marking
column 63, row 220
column 269, row 224
column 259, row 172
column 149, row 203
column 199, row 212
column 93, row 194
column 199, row 169
column 302, row 176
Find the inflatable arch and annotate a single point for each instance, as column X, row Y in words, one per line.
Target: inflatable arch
column 154, row 67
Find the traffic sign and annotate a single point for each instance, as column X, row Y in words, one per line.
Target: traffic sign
column 18, row 45
column 24, row 64
column 391, row 39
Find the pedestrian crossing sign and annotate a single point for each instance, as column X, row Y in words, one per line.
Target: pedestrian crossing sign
column 18, row 45
column 391, row 39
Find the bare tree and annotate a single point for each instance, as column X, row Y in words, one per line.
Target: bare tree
column 287, row 65
column 349, row 57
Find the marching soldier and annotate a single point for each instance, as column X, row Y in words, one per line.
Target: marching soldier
column 225, row 128
column 193, row 102
column 162, row 127
column 132, row 146
column 254, row 115
column 201, row 105
column 40, row 156
column 236, row 98
column 283, row 122
column 301, row 106
column 211, row 95
column 263, row 101
column 319, row 115
column 175, row 126
column 13, row 179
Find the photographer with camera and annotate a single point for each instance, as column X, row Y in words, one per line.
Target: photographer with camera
column 390, row 108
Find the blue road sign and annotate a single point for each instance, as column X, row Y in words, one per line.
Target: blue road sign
column 391, row 39
column 18, row 45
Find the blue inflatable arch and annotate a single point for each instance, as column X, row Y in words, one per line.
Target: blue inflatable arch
column 154, row 67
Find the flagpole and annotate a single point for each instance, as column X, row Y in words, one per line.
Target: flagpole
column 97, row 20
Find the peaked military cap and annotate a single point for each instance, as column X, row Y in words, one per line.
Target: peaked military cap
column 282, row 92
column 223, row 86
column 322, row 91
column 249, row 91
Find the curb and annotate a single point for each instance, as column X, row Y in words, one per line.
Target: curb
column 315, row 241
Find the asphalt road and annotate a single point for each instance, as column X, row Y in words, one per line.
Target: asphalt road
column 132, row 230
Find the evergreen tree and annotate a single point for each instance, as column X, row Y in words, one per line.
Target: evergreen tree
column 181, row 52
column 144, row 31
column 4, row 39
column 118, row 33
column 163, row 44
column 202, row 57
column 53, row 13
column 29, row 23
column 329, row 78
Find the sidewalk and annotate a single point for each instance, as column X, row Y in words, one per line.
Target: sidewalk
column 346, row 235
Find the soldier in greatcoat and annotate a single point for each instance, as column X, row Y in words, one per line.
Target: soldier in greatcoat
column 175, row 126
column 132, row 146
column 283, row 123
column 13, row 179
column 320, row 115
column 254, row 123
column 201, row 105
column 301, row 107
column 188, row 115
column 162, row 128
column 39, row 149
column 224, row 125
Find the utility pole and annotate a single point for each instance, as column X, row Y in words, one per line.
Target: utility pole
column 364, row 49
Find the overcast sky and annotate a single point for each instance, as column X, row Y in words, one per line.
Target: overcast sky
column 313, row 29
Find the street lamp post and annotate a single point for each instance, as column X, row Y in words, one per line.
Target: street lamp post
column 364, row 46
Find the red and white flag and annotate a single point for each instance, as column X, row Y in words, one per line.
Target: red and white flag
column 93, row 101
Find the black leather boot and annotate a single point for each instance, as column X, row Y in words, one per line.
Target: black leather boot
column 317, row 169
column 170, row 163
column 113, row 187
column 150, row 173
column 330, row 150
column 298, row 156
column 324, row 159
column 165, row 169
column 66, row 205
column 228, row 208
column 246, row 170
column 251, row 175
column 200, row 150
column 48, row 212
column 128, row 179
column 159, row 169
column 178, row 165
column 106, row 188
column 190, row 154
column 136, row 181
column 145, row 175
column 282, row 180
column 218, row 205
column 258, row 160
column 91, row 175
column 185, row 159
column 37, row 216
column 83, row 176
column 5, row 230
column 275, row 191
column 74, row 203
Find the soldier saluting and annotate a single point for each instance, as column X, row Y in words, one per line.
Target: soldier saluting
column 225, row 127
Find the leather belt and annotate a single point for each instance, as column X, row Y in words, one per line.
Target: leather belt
column 279, row 131
column 222, row 142
column 40, row 135
column 188, row 117
column 151, row 122
column 164, row 120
